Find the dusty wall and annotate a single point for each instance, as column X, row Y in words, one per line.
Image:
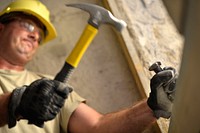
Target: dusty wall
column 153, row 32
column 150, row 36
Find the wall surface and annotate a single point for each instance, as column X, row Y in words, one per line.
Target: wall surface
column 150, row 36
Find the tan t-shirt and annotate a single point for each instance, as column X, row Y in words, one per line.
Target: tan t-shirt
column 10, row 79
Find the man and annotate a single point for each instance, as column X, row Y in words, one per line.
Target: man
column 30, row 97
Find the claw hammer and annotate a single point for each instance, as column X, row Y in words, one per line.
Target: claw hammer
column 98, row 16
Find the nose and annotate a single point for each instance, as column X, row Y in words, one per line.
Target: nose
column 34, row 36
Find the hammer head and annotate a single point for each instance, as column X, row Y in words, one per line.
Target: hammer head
column 100, row 15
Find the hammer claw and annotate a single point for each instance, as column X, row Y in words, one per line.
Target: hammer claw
column 99, row 15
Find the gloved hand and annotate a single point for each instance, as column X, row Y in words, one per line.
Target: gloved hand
column 162, row 92
column 39, row 102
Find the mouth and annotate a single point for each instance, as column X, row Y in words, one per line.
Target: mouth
column 29, row 44
column 26, row 46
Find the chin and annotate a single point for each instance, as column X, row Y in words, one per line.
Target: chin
column 24, row 61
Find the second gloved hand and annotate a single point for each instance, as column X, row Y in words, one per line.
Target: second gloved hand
column 39, row 102
column 162, row 92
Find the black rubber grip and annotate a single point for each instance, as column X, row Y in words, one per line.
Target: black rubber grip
column 64, row 73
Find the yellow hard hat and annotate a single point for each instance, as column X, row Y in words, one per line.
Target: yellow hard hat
column 37, row 9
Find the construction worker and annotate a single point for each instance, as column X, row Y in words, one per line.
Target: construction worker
column 49, row 106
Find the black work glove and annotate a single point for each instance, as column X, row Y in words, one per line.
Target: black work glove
column 39, row 102
column 162, row 92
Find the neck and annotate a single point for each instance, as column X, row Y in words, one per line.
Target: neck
column 9, row 66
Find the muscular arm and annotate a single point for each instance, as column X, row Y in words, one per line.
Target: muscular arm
column 134, row 119
column 4, row 99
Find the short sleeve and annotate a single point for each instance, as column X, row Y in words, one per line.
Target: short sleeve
column 71, row 104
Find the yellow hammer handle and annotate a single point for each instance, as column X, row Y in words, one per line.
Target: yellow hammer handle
column 87, row 36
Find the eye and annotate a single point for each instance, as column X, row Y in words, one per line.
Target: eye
column 29, row 26
column 32, row 28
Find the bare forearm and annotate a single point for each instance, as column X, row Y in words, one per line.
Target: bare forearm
column 134, row 120
column 4, row 99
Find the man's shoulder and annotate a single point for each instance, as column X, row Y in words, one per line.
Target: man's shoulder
column 42, row 75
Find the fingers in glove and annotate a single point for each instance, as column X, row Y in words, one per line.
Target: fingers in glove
column 39, row 81
column 170, row 68
column 50, row 113
column 161, row 78
column 54, row 110
column 62, row 89
column 57, row 100
column 161, row 113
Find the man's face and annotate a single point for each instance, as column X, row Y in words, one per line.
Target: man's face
column 19, row 41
